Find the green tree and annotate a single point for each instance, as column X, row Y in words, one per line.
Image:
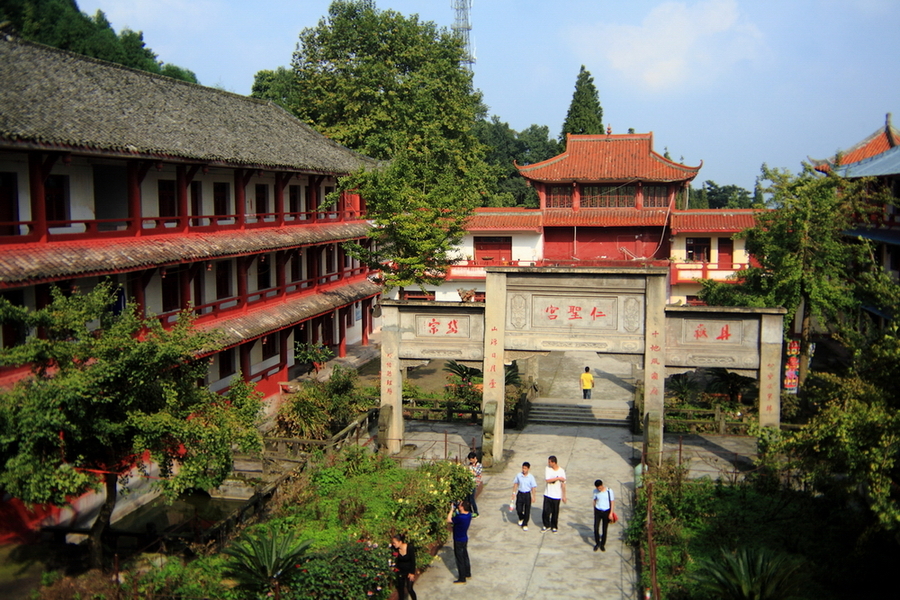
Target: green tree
column 419, row 203
column 275, row 86
column 392, row 87
column 106, row 389
column 585, row 114
column 727, row 196
column 380, row 82
column 60, row 23
column 506, row 148
column 807, row 260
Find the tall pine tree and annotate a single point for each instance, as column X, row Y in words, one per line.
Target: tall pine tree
column 585, row 114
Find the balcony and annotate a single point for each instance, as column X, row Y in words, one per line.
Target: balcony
column 689, row 272
column 19, row 232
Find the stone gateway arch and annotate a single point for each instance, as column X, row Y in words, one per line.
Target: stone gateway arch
column 531, row 311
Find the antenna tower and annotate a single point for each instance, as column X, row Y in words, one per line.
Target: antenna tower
column 462, row 27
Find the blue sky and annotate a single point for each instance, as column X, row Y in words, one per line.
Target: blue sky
column 734, row 83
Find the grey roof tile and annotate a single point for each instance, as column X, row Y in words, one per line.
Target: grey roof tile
column 54, row 98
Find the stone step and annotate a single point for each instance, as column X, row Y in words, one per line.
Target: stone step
column 611, row 413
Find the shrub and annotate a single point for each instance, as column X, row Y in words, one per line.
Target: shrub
column 351, row 569
column 262, row 560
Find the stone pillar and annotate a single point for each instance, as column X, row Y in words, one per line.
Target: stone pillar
column 494, row 378
column 770, row 341
column 654, row 363
column 653, row 434
column 391, row 426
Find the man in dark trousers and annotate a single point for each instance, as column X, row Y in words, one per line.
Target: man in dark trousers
column 460, row 517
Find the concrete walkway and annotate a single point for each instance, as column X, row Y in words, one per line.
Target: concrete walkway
column 510, row 563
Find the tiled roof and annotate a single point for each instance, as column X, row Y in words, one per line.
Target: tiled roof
column 55, row 99
column 880, row 165
column 879, row 141
column 590, row 158
column 267, row 319
column 689, row 221
column 25, row 264
column 587, row 217
column 513, row 219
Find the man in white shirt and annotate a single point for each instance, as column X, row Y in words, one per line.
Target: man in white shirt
column 555, row 491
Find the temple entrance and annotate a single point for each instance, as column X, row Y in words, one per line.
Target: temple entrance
column 585, row 313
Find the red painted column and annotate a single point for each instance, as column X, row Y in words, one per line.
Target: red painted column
column 364, row 324
column 38, row 197
column 280, row 272
column 342, row 332
column 181, row 194
column 243, row 264
column 281, row 180
column 639, row 195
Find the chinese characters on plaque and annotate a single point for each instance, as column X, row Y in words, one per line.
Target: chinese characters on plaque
column 711, row 332
column 575, row 311
column 456, row 326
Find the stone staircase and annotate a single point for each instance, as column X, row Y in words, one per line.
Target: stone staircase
column 605, row 412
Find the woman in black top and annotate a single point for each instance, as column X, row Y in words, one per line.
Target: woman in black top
column 405, row 565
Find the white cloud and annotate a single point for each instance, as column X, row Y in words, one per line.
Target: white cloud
column 677, row 44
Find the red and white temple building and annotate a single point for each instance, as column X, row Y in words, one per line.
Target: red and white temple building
column 189, row 197
column 608, row 200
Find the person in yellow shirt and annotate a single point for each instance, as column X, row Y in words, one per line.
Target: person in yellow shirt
column 587, row 383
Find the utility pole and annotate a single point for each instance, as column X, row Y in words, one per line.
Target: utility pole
column 461, row 27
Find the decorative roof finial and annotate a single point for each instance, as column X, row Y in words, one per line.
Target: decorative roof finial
column 608, row 129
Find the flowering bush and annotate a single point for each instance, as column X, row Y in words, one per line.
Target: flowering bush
column 352, row 569
column 422, row 503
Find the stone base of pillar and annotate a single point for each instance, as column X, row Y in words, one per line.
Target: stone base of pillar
column 653, row 437
column 488, row 452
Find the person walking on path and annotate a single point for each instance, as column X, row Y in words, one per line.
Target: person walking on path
column 460, row 517
column 405, row 564
column 555, row 491
column 604, row 502
column 587, row 383
column 476, row 469
column 523, row 494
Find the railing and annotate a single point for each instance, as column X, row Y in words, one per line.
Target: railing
column 15, row 232
column 688, row 272
column 214, row 309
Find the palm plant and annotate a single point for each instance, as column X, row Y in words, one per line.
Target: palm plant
column 262, row 561
column 465, row 373
column 751, row 574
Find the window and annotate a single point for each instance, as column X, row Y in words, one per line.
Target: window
column 330, row 265
column 559, row 196
column 221, row 198
column 9, row 203
column 297, row 267
column 171, row 290
column 270, row 346
column 295, row 198
column 590, row 196
column 262, row 199
column 493, row 248
column 168, row 203
column 223, row 279
column 226, row 363
column 698, row 249
column 263, row 273
column 56, row 197
column 196, row 198
column 615, row 196
column 656, row 196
